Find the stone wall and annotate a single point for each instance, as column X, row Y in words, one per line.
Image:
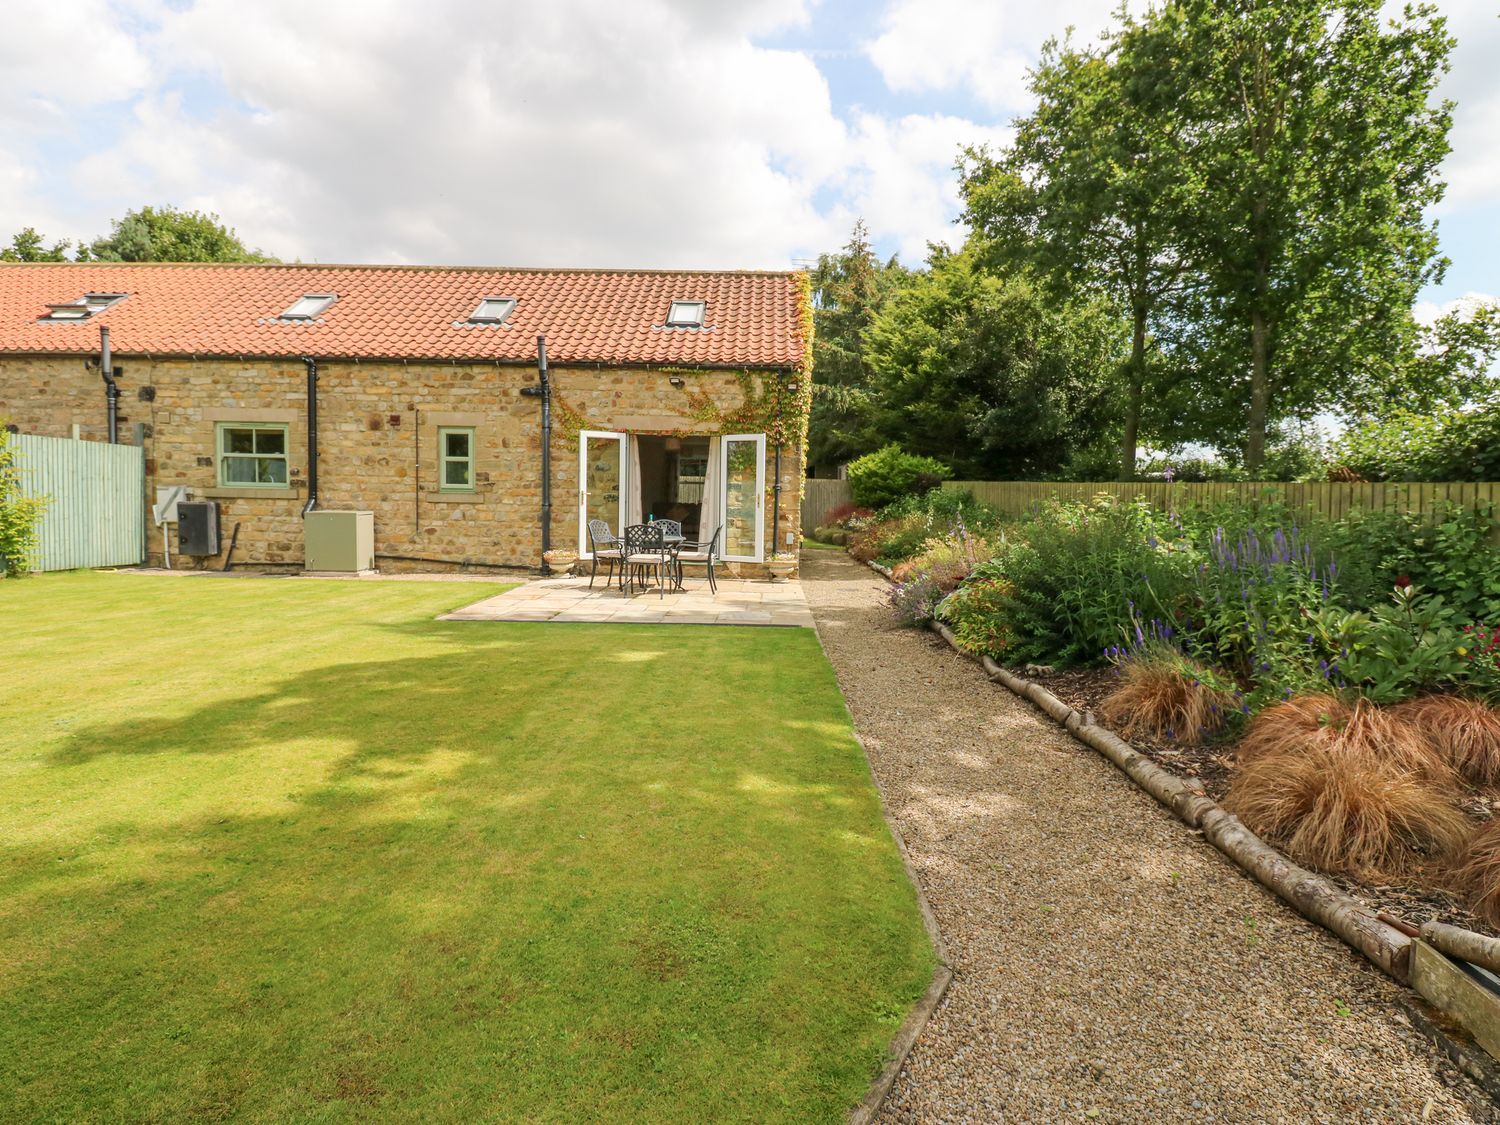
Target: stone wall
column 378, row 449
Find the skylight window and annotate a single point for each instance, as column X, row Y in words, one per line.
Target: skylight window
column 309, row 306
column 686, row 314
column 493, row 310
column 83, row 308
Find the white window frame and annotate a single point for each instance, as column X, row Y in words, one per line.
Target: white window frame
column 221, row 429
column 760, row 494
column 327, row 300
column 622, row 440
column 444, row 459
column 479, row 316
column 677, row 320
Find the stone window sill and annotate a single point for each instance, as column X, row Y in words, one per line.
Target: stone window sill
column 452, row 497
column 248, row 493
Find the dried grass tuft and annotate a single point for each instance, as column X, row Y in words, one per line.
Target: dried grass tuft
column 1367, row 797
column 1463, row 732
column 1478, row 872
column 1166, row 701
column 1300, row 723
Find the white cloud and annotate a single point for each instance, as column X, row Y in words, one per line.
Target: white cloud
column 570, row 133
column 982, row 47
column 1427, row 312
column 59, row 58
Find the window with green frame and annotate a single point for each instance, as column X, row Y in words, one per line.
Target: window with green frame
column 252, row 454
column 456, row 458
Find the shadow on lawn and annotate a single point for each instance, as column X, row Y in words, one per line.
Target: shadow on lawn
column 540, row 873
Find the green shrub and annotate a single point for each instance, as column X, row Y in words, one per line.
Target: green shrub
column 1413, row 446
column 1403, row 648
column 20, row 516
column 1081, row 571
column 878, row 478
column 975, row 612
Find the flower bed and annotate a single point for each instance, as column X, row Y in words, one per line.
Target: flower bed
column 1329, row 682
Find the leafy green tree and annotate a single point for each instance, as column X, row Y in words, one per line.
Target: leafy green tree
column 849, row 289
column 1088, row 193
column 1311, row 144
column 20, row 516
column 165, row 234
column 987, row 372
column 29, row 246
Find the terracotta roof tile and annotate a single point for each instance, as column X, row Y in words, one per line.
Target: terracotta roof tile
column 399, row 312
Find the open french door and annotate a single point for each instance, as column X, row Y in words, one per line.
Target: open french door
column 742, row 468
column 602, row 470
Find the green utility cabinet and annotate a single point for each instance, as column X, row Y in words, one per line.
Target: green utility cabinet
column 339, row 542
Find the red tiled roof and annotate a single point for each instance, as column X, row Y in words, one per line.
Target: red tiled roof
column 400, row 312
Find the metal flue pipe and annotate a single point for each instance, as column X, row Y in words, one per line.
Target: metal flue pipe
column 111, row 388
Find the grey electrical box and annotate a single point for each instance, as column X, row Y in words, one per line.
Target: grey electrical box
column 339, row 542
column 197, row 527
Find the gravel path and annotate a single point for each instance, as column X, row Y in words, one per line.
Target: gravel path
column 1109, row 965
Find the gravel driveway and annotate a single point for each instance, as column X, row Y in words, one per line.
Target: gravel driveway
column 1109, row 964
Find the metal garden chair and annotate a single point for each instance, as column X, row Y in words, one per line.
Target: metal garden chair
column 606, row 546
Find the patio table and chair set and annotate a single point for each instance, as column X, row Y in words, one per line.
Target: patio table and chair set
column 653, row 553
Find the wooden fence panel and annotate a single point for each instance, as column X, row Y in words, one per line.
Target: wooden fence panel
column 1330, row 500
column 819, row 497
column 96, row 492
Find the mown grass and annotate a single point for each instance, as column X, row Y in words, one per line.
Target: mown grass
column 280, row 850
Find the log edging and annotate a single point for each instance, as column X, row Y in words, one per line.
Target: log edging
column 1310, row 894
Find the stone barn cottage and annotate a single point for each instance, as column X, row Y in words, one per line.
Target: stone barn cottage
column 680, row 395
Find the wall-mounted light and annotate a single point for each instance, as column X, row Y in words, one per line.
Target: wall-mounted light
column 676, row 380
column 792, row 387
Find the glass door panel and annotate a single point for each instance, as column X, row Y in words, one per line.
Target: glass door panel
column 601, row 484
column 744, row 476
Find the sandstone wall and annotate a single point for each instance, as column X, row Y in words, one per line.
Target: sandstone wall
column 378, row 449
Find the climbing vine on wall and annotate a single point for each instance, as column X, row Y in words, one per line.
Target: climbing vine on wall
column 767, row 405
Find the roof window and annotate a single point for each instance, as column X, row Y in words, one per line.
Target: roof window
column 84, row 307
column 309, row 305
column 493, row 310
column 686, row 314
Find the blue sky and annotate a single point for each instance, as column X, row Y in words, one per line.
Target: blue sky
column 576, row 132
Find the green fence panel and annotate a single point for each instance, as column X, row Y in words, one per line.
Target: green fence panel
column 96, row 492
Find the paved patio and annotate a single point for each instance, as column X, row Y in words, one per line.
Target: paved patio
column 739, row 602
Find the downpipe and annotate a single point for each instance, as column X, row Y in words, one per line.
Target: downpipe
column 312, row 434
column 543, row 390
column 111, row 388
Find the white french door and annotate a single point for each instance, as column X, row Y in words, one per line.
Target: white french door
column 602, row 473
column 742, row 469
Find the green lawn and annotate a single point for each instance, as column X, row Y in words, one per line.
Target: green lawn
column 284, row 850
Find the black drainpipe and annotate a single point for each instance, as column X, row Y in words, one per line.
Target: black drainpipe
column 312, row 433
column 111, row 388
column 543, row 391
column 776, row 501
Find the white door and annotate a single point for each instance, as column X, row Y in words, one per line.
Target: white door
column 601, row 484
column 742, row 468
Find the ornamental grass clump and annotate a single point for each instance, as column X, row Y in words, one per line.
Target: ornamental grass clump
column 1465, row 733
column 1164, row 694
column 1478, row 872
column 1364, row 797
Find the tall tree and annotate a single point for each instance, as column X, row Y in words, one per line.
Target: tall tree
column 165, row 234
column 1089, row 192
column 984, row 370
column 849, row 290
column 1312, row 144
column 26, row 245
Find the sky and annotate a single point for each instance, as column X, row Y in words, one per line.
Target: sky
column 653, row 133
